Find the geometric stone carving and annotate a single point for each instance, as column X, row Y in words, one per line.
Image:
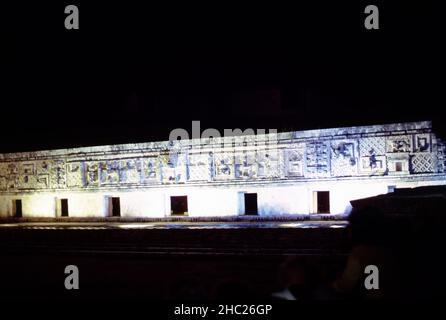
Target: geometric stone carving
column 372, row 145
column 422, row 143
column 167, row 169
column 92, row 174
column 129, row 171
column 199, row 166
column 245, row 165
column 24, row 176
column 168, row 174
column 173, row 167
column 27, row 169
column 343, row 159
column 399, row 144
column 27, row 181
column 109, row 172
column 441, row 156
column 3, row 170
column 181, row 168
column 42, row 167
column 398, row 163
column 317, row 159
column 8, row 176
column 224, row 165
column 267, row 163
column 3, row 176
column 342, row 167
column 3, row 183
column 422, row 163
column 373, row 165
column 74, row 174
column 13, row 168
column 149, row 171
column 13, row 182
column 57, row 174
column 294, row 162
column 247, row 158
column 43, row 181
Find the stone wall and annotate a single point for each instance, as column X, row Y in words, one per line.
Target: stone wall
column 399, row 149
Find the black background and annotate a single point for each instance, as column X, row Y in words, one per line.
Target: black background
column 132, row 73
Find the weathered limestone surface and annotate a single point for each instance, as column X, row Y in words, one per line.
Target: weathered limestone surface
column 319, row 159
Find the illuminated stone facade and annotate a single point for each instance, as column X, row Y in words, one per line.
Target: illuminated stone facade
column 289, row 173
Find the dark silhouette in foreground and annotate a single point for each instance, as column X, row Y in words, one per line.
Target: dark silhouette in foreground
column 405, row 248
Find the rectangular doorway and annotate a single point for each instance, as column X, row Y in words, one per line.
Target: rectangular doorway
column 251, row 204
column 64, row 207
column 115, row 203
column 17, row 208
column 178, row 205
column 321, row 201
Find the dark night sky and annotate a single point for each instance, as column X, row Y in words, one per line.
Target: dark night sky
column 133, row 73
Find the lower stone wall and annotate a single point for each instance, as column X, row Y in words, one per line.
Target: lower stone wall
column 221, row 201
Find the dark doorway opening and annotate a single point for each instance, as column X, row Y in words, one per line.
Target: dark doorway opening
column 251, row 204
column 17, row 208
column 323, row 201
column 178, row 205
column 64, row 207
column 116, row 207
